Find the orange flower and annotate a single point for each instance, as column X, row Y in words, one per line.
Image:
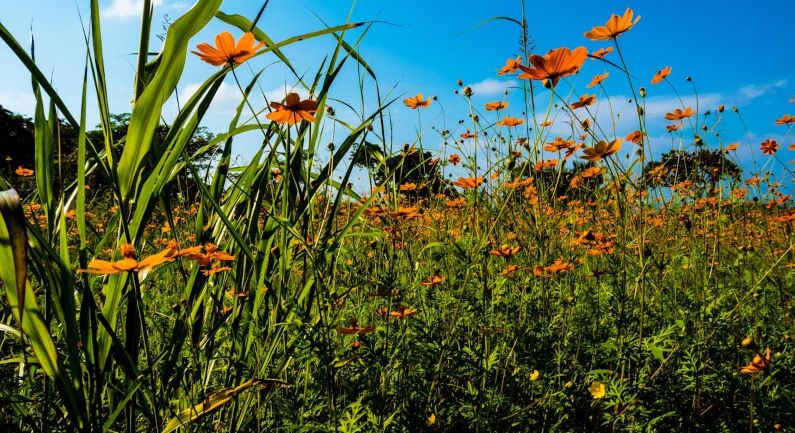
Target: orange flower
column 433, row 280
column 415, row 102
column 597, row 79
column 557, row 63
column 455, row 203
column 559, row 266
column 215, row 269
column 585, row 100
column 454, row 159
column 731, row 147
column 635, row 137
column 495, row 106
column 293, row 110
column 759, row 363
column 614, row 27
column 510, row 121
column 602, row 52
column 602, row 149
column 355, row 329
column 469, row 182
column 679, row 114
column 505, row 251
column 468, row 135
column 24, row 172
column 225, row 51
column 783, row 120
column 403, row 312
column 128, row 263
column 769, row 147
column 674, row 127
column 558, row 145
column 408, row 187
column 510, row 269
column 661, row 75
column 210, row 253
column 591, row 172
column 511, row 66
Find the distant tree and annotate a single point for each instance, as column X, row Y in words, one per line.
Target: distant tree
column 17, row 146
column 408, row 166
column 704, row 167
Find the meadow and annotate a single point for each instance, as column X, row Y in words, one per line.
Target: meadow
column 511, row 278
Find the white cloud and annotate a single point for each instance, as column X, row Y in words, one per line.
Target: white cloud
column 126, row 8
column 226, row 96
column 753, row 91
column 491, row 87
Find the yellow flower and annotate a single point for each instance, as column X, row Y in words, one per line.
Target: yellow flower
column 597, row 390
column 534, row 375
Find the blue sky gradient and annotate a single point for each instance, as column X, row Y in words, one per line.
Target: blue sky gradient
column 737, row 53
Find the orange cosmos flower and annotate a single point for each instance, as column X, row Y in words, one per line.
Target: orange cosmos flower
column 495, row 106
column 456, row 203
column 783, row 120
column 674, row 127
column 129, row 263
column 602, row 149
column 769, row 147
column 585, row 100
column 731, row 147
column 597, row 79
column 215, row 269
column 23, row 172
column 210, row 253
column 510, row 121
column 661, row 75
column 679, row 114
column 403, row 312
column 468, row 135
column 558, row 144
column 635, row 137
column 454, row 159
column 469, row 182
column 408, row 186
column 433, row 280
column 759, row 363
column 511, row 66
column 555, row 64
column 559, row 266
column 293, row 110
column 614, row 27
column 355, row 329
column 226, row 52
column 510, row 269
column 416, row 102
column 602, row 52
column 505, row 251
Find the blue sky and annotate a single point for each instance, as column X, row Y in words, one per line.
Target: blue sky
column 738, row 53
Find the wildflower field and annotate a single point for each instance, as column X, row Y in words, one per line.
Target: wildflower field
column 536, row 266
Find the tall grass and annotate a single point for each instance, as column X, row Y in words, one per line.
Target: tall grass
column 527, row 296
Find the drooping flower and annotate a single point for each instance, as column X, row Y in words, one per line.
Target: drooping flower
column 661, row 75
column 602, row 52
column 23, row 172
column 679, row 114
column 785, row 119
column 597, row 79
column 585, row 100
column 226, row 52
column 496, row 106
column 556, row 64
column 293, row 110
column 433, row 280
column 505, row 251
column 511, row 66
column 602, row 149
column 759, row 363
column 614, row 27
column 769, row 147
column 416, row 102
